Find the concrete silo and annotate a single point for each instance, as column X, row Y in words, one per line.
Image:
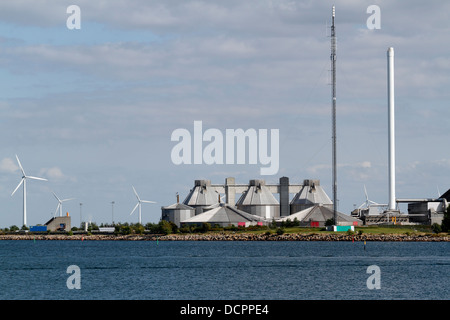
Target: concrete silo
column 201, row 196
column 177, row 212
column 310, row 194
column 225, row 215
column 258, row 200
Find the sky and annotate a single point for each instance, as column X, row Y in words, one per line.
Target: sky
column 93, row 109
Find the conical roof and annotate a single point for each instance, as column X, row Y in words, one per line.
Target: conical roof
column 179, row 206
column 321, row 214
column 223, row 214
column 202, row 194
column 311, row 193
column 257, row 194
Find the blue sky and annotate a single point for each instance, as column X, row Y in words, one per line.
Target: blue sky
column 92, row 110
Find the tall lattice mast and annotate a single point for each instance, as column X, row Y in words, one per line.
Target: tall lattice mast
column 333, row 93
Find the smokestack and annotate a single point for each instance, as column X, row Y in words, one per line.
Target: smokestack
column 391, row 120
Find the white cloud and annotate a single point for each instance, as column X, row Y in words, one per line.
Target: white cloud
column 8, row 165
column 55, row 174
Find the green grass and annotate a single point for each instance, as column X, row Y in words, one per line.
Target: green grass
column 394, row 229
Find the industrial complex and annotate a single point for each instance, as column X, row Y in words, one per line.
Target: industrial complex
column 261, row 204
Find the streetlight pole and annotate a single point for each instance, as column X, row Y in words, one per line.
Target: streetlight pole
column 112, row 211
column 81, row 220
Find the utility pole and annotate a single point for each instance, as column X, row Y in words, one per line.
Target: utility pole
column 81, row 220
column 112, row 211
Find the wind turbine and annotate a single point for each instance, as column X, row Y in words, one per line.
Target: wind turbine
column 370, row 203
column 24, row 182
column 60, row 204
column 139, row 204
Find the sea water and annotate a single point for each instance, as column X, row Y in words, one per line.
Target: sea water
column 216, row 270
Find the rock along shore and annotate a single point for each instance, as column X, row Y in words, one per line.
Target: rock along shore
column 232, row 237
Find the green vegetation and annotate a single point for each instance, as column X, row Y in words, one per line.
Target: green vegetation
column 287, row 227
column 165, row 227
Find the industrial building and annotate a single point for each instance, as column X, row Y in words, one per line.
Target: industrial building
column 428, row 211
column 258, row 200
column 308, row 203
column 201, row 196
column 310, row 194
column 317, row 216
column 257, row 204
column 425, row 211
column 177, row 212
column 59, row 224
column 224, row 215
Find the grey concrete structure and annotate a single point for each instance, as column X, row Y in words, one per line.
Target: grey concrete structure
column 310, row 194
column 285, row 209
column 259, row 201
column 177, row 212
column 224, row 215
column 317, row 215
column 202, row 195
column 426, row 212
column 59, row 224
column 256, row 198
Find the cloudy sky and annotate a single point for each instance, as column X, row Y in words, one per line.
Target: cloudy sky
column 93, row 109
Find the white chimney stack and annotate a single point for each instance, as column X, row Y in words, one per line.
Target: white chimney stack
column 391, row 120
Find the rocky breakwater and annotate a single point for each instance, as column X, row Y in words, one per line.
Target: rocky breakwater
column 232, row 237
column 303, row 237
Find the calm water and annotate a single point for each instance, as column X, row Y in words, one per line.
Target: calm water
column 223, row 270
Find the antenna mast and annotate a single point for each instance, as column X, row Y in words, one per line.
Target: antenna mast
column 333, row 92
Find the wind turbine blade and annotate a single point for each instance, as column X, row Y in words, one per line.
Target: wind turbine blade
column 56, row 197
column 365, row 192
column 146, row 201
column 137, row 196
column 20, row 183
column 20, row 165
column 36, row 178
column 67, row 199
column 134, row 208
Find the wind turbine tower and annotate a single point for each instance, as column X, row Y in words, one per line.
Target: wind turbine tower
column 24, row 182
column 60, row 204
column 139, row 205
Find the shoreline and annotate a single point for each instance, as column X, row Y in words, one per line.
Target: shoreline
column 232, row 237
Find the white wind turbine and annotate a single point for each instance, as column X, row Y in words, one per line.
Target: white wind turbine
column 24, row 182
column 369, row 203
column 139, row 205
column 59, row 206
